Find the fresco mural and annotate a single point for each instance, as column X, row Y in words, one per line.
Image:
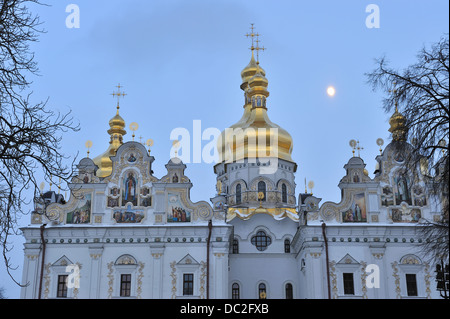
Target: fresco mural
column 128, row 216
column 357, row 211
column 405, row 216
column 176, row 213
column 82, row 213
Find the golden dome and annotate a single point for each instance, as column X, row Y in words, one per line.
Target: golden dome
column 116, row 131
column 253, row 135
column 398, row 126
column 249, row 71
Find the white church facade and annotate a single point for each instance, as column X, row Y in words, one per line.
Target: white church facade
column 125, row 233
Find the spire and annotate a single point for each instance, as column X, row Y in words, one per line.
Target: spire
column 397, row 121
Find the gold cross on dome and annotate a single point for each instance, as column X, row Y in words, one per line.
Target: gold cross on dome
column 359, row 148
column 394, row 91
column 252, row 35
column 119, row 94
column 258, row 48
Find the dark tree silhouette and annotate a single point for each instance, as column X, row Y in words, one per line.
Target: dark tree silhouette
column 30, row 133
column 421, row 93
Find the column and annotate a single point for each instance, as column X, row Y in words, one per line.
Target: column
column 95, row 274
column 30, row 273
column 157, row 252
column 220, row 274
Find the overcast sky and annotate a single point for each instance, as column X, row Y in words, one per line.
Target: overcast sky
column 180, row 61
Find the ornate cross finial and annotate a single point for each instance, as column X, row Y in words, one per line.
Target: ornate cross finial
column 359, row 148
column 252, row 35
column 119, row 94
column 394, row 91
column 355, row 146
column 258, row 48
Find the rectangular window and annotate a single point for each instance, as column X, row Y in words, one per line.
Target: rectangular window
column 125, row 285
column 62, row 286
column 411, row 284
column 188, row 284
column 349, row 286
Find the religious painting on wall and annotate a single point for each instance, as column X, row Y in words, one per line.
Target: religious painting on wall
column 357, row 211
column 403, row 189
column 405, row 215
column 146, row 198
column 82, row 213
column 129, row 191
column 176, row 213
column 128, row 216
column 420, row 198
column 387, row 196
column 146, row 201
column 113, row 202
column 132, row 158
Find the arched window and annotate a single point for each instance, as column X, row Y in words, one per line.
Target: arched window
column 261, row 240
column 262, row 293
column 235, row 291
column 238, row 194
column 289, row 291
column 235, row 246
column 287, row 246
column 284, row 193
column 262, row 189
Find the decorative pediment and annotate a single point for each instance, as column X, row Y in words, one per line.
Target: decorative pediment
column 188, row 260
column 348, row 260
column 126, row 260
column 410, row 260
column 63, row 262
column 132, row 155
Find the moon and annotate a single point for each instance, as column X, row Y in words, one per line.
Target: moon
column 331, row 91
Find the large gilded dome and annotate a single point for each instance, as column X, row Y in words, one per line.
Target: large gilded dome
column 254, row 135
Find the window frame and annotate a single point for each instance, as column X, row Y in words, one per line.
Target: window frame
column 61, row 288
column 345, row 283
column 261, row 240
column 125, row 285
column 238, row 194
column 284, row 197
column 188, row 284
column 235, row 291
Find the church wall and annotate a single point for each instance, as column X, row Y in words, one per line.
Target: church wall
column 395, row 251
column 154, row 265
column 273, row 266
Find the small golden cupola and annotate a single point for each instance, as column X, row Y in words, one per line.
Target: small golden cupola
column 398, row 127
column 116, row 132
column 254, row 135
